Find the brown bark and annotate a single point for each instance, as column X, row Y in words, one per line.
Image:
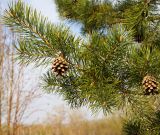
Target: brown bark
column 1, row 74
column 10, row 102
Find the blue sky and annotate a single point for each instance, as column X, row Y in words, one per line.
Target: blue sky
column 48, row 9
column 47, row 102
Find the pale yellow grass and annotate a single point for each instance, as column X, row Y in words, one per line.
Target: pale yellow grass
column 106, row 126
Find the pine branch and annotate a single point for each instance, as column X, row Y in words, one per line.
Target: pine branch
column 22, row 19
column 31, row 25
column 104, row 73
column 64, row 86
column 94, row 15
column 96, row 82
column 137, row 123
column 29, row 51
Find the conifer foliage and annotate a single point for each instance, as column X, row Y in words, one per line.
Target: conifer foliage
column 116, row 67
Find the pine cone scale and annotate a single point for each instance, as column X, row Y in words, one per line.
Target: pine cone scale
column 150, row 85
column 60, row 66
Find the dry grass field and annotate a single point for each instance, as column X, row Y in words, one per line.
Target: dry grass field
column 106, row 126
